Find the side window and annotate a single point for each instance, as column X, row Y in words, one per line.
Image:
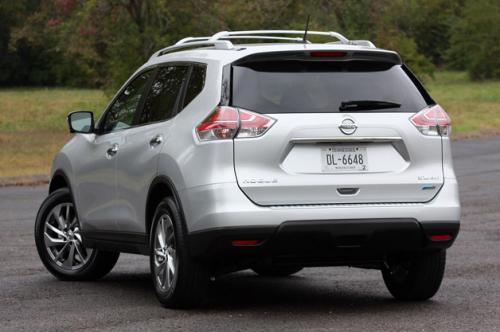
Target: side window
column 122, row 112
column 162, row 98
column 196, row 83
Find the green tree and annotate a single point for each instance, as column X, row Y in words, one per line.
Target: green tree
column 110, row 39
column 100, row 42
column 475, row 40
column 16, row 56
column 427, row 22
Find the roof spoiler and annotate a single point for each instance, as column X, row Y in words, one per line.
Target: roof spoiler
column 337, row 55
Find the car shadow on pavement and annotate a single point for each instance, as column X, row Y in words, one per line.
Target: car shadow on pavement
column 246, row 291
column 304, row 294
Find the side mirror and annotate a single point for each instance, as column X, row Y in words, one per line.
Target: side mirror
column 81, row 122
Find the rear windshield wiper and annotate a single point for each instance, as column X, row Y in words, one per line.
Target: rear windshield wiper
column 362, row 105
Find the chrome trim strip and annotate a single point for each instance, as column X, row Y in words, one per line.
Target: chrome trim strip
column 344, row 139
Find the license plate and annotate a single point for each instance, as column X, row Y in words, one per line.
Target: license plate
column 344, row 159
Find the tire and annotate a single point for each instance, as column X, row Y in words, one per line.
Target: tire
column 269, row 270
column 58, row 241
column 415, row 279
column 179, row 280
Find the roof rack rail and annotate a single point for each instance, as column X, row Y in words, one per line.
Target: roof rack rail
column 194, row 43
column 366, row 43
column 270, row 33
column 221, row 40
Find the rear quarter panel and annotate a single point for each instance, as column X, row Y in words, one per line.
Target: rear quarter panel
column 184, row 159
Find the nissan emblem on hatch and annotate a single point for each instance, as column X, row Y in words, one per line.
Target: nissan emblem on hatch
column 348, row 126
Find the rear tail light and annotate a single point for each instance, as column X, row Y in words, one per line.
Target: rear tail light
column 253, row 124
column 221, row 124
column 432, row 121
column 229, row 122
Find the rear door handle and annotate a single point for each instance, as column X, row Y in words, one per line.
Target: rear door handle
column 112, row 150
column 157, row 140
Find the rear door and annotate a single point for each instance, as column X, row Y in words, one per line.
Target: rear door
column 342, row 133
column 138, row 158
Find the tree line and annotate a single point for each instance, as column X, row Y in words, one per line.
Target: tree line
column 99, row 43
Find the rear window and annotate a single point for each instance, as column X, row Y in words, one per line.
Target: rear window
column 321, row 87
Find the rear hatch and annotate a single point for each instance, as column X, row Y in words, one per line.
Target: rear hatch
column 342, row 133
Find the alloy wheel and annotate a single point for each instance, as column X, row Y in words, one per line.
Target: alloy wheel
column 165, row 256
column 63, row 239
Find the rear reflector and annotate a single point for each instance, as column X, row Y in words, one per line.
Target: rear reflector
column 332, row 54
column 441, row 237
column 432, row 121
column 228, row 122
column 240, row 243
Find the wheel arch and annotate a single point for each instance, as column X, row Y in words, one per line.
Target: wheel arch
column 161, row 187
column 59, row 180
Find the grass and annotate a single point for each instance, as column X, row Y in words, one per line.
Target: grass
column 33, row 125
column 474, row 107
column 31, row 109
column 33, row 120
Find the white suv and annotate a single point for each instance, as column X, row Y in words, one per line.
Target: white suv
column 216, row 157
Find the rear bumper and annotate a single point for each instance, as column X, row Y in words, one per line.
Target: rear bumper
column 324, row 242
column 225, row 206
column 315, row 235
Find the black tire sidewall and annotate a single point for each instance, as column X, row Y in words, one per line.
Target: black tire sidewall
column 423, row 280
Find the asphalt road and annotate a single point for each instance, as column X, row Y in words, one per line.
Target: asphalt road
column 320, row 298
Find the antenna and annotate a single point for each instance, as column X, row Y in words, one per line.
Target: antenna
column 304, row 39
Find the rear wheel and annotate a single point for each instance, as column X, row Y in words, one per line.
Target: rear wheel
column 269, row 270
column 179, row 280
column 417, row 278
column 58, row 240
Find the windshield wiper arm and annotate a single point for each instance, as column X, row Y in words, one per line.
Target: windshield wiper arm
column 362, row 105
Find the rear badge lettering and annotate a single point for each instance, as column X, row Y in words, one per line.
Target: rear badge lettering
column 429, row 178
column 259, row 181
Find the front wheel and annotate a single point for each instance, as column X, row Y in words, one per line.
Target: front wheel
column 417, row 278
column 178, row 279
column 59, row 244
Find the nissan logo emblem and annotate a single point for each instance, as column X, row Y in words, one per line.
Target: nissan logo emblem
column 348, row 126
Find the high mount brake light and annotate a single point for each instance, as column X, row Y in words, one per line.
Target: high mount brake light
column 229, row 122
column 432, row 121
column 328, row 54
